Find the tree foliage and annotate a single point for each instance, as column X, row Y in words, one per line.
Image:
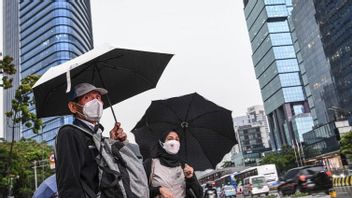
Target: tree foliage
column 20, row 109
column 346, row 145
column 7, row 68
column 25, row 152
column 283, row 159
column 20, row 113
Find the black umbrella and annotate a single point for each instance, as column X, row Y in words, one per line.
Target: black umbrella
column 206, row 129
column 123, row 72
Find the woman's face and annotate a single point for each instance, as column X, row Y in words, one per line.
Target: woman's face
column 172, row 136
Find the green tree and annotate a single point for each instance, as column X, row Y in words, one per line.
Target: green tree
column 25, row 152
column 20, row 113
column 7, row 68
column 283, row 159
column 346, row 145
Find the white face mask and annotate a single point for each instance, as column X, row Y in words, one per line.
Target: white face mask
column 93, row 110
column 171, row 146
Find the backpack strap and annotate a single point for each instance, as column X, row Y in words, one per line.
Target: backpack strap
column 152, row 168
column 80, row 128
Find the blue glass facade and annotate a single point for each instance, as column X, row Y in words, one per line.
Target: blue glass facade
column 318, row 81
column 276, row 66
column 302, row 123
column 335, row 24
column 51, row 33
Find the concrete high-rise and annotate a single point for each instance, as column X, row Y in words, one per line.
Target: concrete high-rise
column 48, row 33
column 252, row 133
column 276, row 66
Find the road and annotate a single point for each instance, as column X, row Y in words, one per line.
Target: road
column 320, row 195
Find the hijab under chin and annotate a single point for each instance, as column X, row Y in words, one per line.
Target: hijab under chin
column 166, row 159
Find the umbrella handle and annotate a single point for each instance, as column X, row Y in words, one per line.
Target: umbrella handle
column 112, row 110
column 107, row 95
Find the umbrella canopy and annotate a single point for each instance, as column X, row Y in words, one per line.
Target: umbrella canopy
column 47, row 189
column 206, row 129
column 123, row 72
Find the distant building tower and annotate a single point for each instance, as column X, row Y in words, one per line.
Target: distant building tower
column 323, row 35
column 276, row 66
column 334, row 19
column 48, row 33
column 11, row 47
column 252, row 133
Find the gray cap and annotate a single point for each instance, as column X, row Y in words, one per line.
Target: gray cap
column 82, row 89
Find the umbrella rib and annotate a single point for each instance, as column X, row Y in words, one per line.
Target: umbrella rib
column 199, row 127
column 114, row 57
column 166, row 122
column 72, row 77
column 169, row 107
column 128, row 70
column 189, row 107
column 201, row 115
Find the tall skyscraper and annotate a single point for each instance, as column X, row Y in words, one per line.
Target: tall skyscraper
column 276, row 66
column 318, row 81
column 334, row 19
column 323, row 37
column 11, row 47
column 49, row 33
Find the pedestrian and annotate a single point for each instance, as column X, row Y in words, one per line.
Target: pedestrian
column 168, row 176
column 76, row 167
column 210, row 191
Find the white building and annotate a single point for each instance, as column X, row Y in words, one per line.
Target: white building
column 252, row 133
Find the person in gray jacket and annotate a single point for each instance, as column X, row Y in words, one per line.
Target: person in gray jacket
column 168, row 176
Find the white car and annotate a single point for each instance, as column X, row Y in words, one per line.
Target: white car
column 255, row 185
column 228, row 191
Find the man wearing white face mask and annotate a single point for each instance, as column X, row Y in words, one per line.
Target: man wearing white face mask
column 169, row 177
column 76, row 168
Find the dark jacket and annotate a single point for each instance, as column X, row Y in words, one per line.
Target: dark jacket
column 75, row 161
column 193, row 188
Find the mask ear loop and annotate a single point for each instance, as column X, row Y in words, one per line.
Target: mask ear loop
column 161, row 144
column 81, row 114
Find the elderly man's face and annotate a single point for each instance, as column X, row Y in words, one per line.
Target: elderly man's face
column 90, row 96
column 74, row 108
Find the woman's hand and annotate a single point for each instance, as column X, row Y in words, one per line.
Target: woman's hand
column 117, row 133
column 188, row 171
column 165, row 192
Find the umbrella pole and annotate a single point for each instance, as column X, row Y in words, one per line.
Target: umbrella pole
column 184, row 133
column 107, row 95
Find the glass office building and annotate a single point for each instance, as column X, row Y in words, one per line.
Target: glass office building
column 302, row 123
column 335, row 24
column 51, row 33
column 318, row 81
column 276, row 66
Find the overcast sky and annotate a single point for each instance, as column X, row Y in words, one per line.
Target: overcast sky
column 208, row 37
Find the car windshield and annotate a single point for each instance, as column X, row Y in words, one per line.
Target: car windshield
column 258, row 181
column 291, row 173
column 311, row 170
